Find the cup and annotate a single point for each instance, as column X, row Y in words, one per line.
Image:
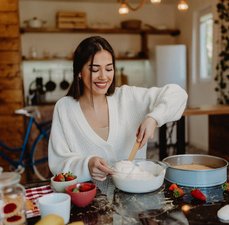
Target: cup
column 55, row 203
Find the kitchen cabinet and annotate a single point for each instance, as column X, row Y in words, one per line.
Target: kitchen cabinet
column 143, row 54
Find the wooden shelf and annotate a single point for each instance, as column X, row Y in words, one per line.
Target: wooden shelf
column 69, row 59
column 143, row 54
column 154, row 31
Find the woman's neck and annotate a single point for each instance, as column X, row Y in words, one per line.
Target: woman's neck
column 93, row 101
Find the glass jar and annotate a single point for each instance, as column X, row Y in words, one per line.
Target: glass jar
column 12, row 200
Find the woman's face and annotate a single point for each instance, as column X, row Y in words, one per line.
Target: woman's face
column 102, row 73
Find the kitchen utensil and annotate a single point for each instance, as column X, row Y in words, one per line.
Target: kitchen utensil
column 36, row 94
column 35, row 22
column 215, row 175
column 138, row 176
column 64, row 84
column 134, row 151
column 50, row 85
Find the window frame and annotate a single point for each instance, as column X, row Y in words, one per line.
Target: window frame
column 201, row 13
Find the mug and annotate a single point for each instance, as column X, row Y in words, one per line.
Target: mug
column 55, row 203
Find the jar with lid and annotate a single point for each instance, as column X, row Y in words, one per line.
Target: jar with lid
column 12, row 200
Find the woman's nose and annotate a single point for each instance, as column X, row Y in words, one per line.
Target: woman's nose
column 102, row 75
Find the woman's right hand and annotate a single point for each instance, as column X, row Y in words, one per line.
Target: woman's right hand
column 98, row 168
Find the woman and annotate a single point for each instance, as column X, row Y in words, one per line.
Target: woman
column 97, row 123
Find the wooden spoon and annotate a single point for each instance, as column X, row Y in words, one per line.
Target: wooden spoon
column 134, row 151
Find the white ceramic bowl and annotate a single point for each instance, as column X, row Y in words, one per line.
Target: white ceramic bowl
column 138, row 176
column 59, row 186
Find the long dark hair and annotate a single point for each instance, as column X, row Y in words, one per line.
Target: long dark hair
column 86, row 51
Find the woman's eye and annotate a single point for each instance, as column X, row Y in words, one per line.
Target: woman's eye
column 95, row 71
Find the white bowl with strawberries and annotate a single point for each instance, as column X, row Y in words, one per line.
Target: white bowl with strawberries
column 62, row 180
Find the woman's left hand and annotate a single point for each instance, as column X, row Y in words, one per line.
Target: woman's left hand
column 146, row 130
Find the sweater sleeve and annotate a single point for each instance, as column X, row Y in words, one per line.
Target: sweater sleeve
column 164, row 104
column 60, row 156
column 169, row 104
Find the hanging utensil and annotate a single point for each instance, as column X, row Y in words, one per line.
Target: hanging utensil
column 50, row 85
column 64, row 84
column 134, row 151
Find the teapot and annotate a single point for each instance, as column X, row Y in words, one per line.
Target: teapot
column 35, row 22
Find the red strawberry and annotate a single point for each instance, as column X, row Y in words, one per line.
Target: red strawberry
column 225, row 186
column 85, row 187
column 196, row 193
column 59, row 177
column 178, row 192
column 172, row 187
column 69, row 176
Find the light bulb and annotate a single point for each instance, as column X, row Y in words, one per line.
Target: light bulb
column 123, row 9
column 182, row 5
column 155, row 1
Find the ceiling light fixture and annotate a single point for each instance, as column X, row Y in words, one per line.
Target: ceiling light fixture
column 126, row 6
column 182, row 5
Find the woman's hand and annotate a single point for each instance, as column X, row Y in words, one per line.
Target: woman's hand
column 146, row 130
column 98, row 168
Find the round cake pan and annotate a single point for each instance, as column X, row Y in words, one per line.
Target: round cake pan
column 215, row 175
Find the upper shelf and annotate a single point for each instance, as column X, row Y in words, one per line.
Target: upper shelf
column 154, row 31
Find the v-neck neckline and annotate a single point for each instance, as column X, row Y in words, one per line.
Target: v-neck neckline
column 89, row 130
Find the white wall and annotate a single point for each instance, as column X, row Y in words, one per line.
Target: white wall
column 200, row 92
column 140, row 73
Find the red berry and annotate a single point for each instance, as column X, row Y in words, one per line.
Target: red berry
column 196, row 193
column 172, row 187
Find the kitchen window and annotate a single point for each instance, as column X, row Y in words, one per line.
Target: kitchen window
column 205, row 52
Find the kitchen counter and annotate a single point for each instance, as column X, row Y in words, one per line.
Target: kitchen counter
column 112, row 206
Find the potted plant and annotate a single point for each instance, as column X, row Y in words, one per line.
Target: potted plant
column 222, row 66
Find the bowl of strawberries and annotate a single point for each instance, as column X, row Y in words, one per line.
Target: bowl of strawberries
column 82, row 194
column 62, row 180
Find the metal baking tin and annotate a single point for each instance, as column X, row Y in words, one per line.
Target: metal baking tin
column 196, row 178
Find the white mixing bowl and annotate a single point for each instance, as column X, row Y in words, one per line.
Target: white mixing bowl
column 138, row 176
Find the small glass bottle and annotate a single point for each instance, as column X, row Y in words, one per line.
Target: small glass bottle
column 12, row 200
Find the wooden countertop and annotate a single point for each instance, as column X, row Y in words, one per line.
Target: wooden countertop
column 207, row 110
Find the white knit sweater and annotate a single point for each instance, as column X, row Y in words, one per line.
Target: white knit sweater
column 73, row 142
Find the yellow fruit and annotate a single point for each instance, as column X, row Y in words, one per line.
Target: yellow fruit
column 51, row 219
column 77, row 223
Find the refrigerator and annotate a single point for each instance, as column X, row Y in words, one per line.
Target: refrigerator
column 171, row 68
column 171, row 65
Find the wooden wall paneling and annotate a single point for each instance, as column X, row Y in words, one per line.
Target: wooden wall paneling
column 8, row 109
column 9, row 31
column 9, row 70
column 11, row 84
column 10, row 57
column 11, row 96
column 8, row 5
column 11, row 91
column 7, row 44
column 9, row 18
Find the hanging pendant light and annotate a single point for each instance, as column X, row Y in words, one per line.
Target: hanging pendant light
column 123, row 8
column 155, row 1
column 182, row 5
